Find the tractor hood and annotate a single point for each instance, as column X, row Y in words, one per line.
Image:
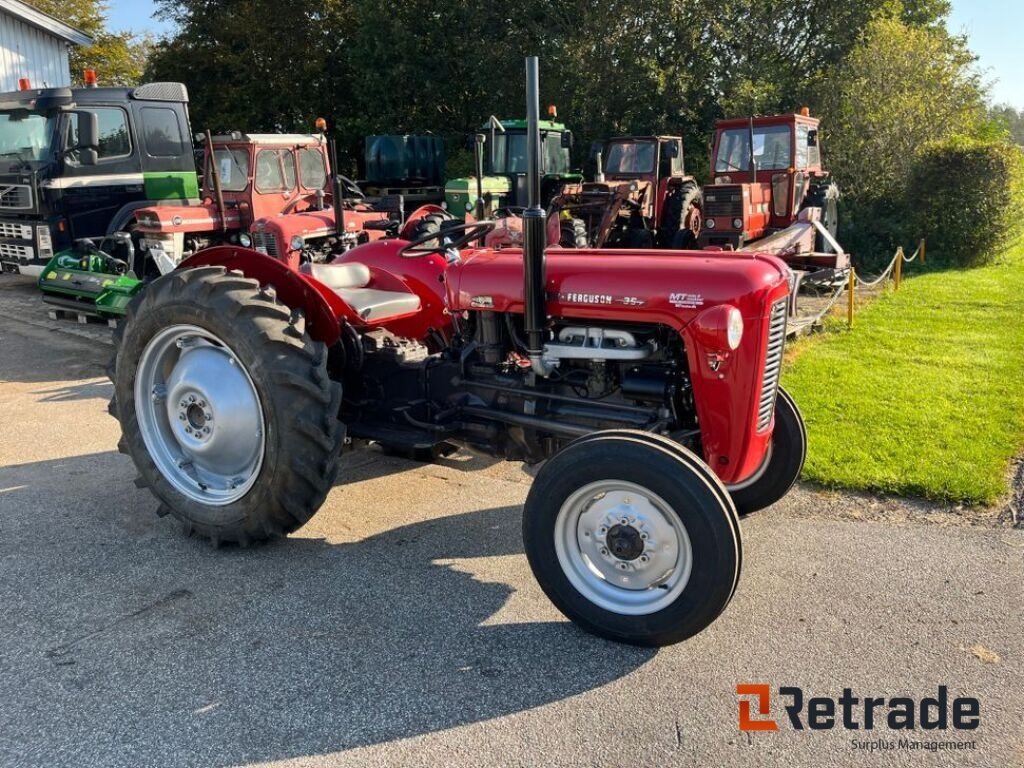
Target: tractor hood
column 169, row 219
column 669, row 288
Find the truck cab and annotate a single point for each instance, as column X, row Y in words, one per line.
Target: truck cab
column 78, row 162
column 764, row 170
column 504, row 168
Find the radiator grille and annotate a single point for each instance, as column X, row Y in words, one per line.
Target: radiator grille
column 772, row 364
column 265, row 243
column 15, row 231
column 15, row 197
column 22, row 252
column 726, row 204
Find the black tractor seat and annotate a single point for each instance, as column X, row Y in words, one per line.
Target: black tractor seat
column 349, row 281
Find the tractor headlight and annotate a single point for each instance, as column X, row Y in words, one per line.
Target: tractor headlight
column 737, row 223
column 444, row 204
column 469, row 206
column 709, row 223
column 734, row 328
column 297, row 243
column 245, row 240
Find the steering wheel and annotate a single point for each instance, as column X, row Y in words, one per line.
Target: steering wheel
column 308, row 198
column 350, row 189
column 470, row 232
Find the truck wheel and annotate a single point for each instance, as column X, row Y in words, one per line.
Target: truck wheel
column 632, row 537
column 783, row 464
column 225, row 406
column 683, row 219
column 430, row 224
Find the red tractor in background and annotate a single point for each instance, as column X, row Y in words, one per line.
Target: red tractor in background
column 641, row 197
column 267, row 191
column 646, row 382
column 765, row 170
column 243, row 178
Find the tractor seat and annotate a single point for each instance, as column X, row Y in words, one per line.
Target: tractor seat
column 349, row 281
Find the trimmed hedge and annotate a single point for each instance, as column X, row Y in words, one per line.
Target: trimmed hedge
column 966, row 196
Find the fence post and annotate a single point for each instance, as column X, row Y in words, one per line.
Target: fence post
column 849, row 298
column 922, row 250
column 899, row 266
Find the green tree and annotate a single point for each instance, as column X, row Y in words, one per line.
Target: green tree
column 119, row 58
column 1010, row 120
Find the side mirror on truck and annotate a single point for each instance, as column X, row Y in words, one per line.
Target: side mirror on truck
column 88, row 137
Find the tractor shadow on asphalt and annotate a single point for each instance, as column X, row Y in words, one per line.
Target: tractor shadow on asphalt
column 188, row 655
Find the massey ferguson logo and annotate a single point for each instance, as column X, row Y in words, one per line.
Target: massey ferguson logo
column 854, row 713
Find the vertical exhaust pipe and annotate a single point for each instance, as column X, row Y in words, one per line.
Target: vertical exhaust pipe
column 534, row 231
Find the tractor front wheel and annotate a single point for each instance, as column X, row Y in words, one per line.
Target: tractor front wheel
column 632, row 537
column 783, row 464
column 226, row 406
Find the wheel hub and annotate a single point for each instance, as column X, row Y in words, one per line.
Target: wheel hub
column 624, row 542
column 623, row 547
column 202, row 423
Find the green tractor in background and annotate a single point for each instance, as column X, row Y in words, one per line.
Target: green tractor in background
column 500, row 179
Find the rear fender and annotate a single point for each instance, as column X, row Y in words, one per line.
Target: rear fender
column 415, row 216
column 322, row 307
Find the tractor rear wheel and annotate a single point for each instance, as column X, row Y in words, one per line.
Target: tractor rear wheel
column 783, row 464
column 633, row 537
column 225, row 406
column 433, row 223
column 682, row 218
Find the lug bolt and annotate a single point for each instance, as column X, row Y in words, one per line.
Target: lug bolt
column 188, row 430
column 181, row 416
column 206, row 430
column 644, row 536
column 623, row 566
column 202, row 403
column 602, row 529
column 208, row 415
column 183, row 403
column 644, row 558
column 191, row 398
column 604, row 551
column 625, row 521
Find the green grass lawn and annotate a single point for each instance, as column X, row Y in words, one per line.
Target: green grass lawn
column 925, row 396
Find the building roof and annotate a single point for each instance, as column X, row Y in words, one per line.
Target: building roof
column 43, row 21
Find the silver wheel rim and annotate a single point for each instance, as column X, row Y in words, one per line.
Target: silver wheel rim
column 199, row 414
column 622, row 547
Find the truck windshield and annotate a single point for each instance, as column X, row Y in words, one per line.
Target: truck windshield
column 630, row 157
column 25, row 135
column 772, row 148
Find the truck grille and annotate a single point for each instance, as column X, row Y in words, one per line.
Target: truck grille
column 726, row 204
column 265, row 242
column 20, row 252
column 15, row 231
column 15, row 197
column 772, row 364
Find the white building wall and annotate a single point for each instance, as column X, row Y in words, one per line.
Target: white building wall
column 26, row 51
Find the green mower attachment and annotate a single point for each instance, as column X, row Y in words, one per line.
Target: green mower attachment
column 88, row 280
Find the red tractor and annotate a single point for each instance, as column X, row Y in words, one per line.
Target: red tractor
column 245, row 177
column 277, row 185
column 765, row 171
column 641, row 198
column 645, row 382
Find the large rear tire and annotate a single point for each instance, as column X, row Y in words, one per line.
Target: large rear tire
column 683, row 218
column 782, row 465
column 433, row 223
column 226, row 406
column 633, row 538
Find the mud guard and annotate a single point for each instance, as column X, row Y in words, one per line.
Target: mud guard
column 322, row 307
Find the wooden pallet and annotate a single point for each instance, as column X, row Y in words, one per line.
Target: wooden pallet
column 83, row 318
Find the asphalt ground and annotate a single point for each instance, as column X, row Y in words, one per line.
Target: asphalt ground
column 402, row 626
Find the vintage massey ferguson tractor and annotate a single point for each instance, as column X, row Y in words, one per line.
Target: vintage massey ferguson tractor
column 640, row 197
column 645, row 382
column 765, row 170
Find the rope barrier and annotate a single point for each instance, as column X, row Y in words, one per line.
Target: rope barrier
column 855, row 282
